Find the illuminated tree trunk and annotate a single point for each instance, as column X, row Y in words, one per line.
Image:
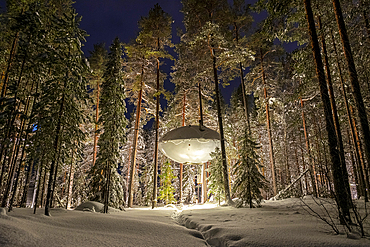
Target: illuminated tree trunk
column 42, row 191
column 70, row 183
column 298, row 168
column 325, row 169
column 287, row 167
column 13, row 170
column 11, row 120
column 20, row 162
column 359, row 147
column 339, row 183
column 155, row 172
column 37, row 187
column 108, row 172
column 334, row 111
column 26, row 184
column 303, row 163
column 355, row 168
column 356, row 90
column 269, row 131
column 222, row 137
column 319, row 159
column 308, row 148
column 242, row 83
column 50, row 191
column 96, row 122
column 56, row 170
column 182, row 165
column 349, row 116
column 134, row 145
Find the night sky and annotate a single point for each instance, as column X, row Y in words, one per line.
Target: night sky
column 103, row 20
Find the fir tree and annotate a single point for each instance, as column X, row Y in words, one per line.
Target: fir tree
column 105, row 177
column 249, row 181
column 216, row 178
column 166, row 190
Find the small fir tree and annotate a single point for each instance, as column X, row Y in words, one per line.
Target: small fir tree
column 216, row 179
column 249, row 181
column 166, row 191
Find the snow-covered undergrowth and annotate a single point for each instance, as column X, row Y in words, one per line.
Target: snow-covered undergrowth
column 92, row 206
column 276, row 223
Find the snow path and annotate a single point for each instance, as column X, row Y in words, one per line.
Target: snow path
column 76, row 228
column 276, row 223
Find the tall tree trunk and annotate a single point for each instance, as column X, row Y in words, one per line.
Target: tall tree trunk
column 26, row 184
column 155, row 170
column 37, row 187
column 70, row 183
column 287, row 167
column 242, row 82
column 15, row 187
column 356, row 90
column 269, row 131
column 11, row 119
column 325, row 169
column 56, row 168
column 349, row 116
column 339, row 185
column 303, row 164
column 14, row 162
column 134, row 145
column 42, row 191
column 298, row 168
column 10, row 61
column 308, row 148
column 12, row 168
column 319, row 159
column 355, row 169
column 182, row 165
column 245, row 103
column 18, row 170
column 108, row 172
column 200, row 106
column 52, row 165
column 225, row 171
column 359, row 147
column 335, row 113
column 96, row 122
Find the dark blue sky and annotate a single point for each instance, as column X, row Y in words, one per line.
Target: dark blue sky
column 103, row 20
column 106, row 19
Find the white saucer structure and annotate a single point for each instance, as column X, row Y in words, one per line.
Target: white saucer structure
column 190, row 144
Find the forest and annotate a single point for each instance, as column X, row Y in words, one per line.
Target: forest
column 297, row 124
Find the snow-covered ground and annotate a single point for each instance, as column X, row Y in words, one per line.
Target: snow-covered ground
column 276, row 223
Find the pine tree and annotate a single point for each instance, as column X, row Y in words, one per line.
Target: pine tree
column 105, row 177
column 97, row 62
column 155, row 35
